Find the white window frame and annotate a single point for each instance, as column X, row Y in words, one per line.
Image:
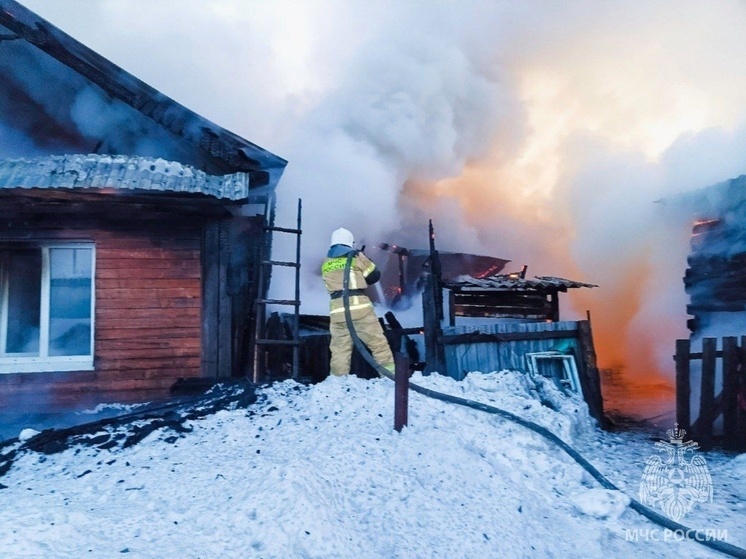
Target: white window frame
column 569, row 379
column 44, row 362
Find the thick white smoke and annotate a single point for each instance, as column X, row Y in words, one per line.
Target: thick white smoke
column 541, row 132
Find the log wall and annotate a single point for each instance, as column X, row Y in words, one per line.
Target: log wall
column 147, row 314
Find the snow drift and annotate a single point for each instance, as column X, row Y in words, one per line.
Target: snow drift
column 317, row 471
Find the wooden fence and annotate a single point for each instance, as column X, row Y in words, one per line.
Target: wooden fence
column 722, row 394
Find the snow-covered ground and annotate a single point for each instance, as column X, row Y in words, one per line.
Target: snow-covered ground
column 318, row 472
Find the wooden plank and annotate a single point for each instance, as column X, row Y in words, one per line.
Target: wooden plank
column 142, row 329
column 136, row 272
column 132, row 239
column 508, row 304
column 111, row 265
column 554, row 305
column 148, row 303
column 740, row 420
column 150, row 362
column 452, row 308
column 147, row 241
column 741, row 398
column 497, row 312
column 683, row 387
column 520, row 302
column 103, row 284
column 210, row 291
column 127, row 314
column 143, row 293
column 153, row 338
column 707, row 411
column 113, row 230
column 150, row 253
column 401, row 391
column 434, row 355
column 149, row 330
column 729, row 394
column 483, row 337
column 112, row 353
column 590, row 380
column 225, row 319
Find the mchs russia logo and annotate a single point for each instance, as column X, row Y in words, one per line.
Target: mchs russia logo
column 675, row 479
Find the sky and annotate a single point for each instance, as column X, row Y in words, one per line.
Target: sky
column 318, row 472
column 537, row 131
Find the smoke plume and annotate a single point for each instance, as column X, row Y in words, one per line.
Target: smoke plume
column 539, row 132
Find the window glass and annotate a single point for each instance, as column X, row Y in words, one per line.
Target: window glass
column 70, row 293
column 23, row 300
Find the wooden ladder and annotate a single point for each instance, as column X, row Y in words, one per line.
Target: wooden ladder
column 261, row 342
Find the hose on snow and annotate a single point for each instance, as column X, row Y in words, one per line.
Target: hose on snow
column 665, row 522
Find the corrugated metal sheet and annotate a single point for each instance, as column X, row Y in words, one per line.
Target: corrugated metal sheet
column 120, row 172
column 515, row 282
column 496, row 356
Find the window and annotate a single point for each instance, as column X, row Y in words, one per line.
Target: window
column 46, row 317
column 560, row 367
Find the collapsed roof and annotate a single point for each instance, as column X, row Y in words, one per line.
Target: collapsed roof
column 514, row 282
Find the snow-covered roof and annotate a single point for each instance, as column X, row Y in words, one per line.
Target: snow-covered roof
column 120, row 172
column 516, row 283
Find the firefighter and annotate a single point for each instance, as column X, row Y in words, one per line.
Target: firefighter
column 363, row 272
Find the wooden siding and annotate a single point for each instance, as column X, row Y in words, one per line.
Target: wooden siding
column 504, row 346
column 511, row 354
column 147, row 315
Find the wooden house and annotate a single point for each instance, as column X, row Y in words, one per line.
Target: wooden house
column 716, row 278
column 711, row 364
column 130, row 229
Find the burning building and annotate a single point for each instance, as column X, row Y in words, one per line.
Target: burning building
column 474, row 319
column 130, row 228
column 716, row 278
column 402, row 271
column 711, row 365
column 509, row 321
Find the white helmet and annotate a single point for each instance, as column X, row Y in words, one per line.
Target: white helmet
column 342, row 237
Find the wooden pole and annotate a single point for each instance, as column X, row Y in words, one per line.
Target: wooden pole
column 741, row 417
column 554, row 305
column 432, row 311
column 683, row 386
column 590, row 379
column 451, row 308
column 707, row 411
column 730, row 392
column 401, row 391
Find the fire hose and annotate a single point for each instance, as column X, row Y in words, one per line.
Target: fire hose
column 665, row 522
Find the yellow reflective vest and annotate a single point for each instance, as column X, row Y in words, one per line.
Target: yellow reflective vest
column 332, row 271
